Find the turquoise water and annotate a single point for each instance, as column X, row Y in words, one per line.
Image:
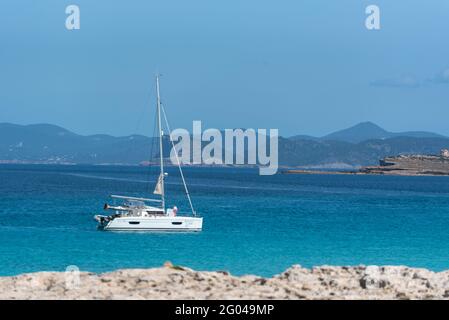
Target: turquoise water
column 252, row 224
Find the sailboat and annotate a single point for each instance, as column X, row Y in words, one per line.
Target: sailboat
column 148, row 214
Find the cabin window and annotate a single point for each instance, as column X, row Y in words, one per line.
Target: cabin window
column 134, row 222
column 176, row 222
column 155, row 212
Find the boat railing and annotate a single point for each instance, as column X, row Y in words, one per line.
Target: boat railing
column 135, row 199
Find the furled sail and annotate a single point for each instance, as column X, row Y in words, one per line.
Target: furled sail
column 158, row 188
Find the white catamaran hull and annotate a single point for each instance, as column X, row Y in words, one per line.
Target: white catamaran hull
column 156, row 223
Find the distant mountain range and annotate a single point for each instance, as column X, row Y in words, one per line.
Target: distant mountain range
column 362, row 144
column 367, row 131
column 50, row 143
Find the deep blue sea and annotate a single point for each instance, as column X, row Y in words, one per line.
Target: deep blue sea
column 252, row 224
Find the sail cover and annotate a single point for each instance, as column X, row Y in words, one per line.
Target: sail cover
column 158, row 188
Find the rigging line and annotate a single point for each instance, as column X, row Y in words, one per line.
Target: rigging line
column 177, row 160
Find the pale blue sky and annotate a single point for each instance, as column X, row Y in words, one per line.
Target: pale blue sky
column 305, row 67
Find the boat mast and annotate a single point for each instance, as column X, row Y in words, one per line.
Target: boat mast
column 161, row 133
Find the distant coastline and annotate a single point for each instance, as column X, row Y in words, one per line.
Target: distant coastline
column 320, row 172
column 286, row 170
column 402, row 165
column 167, row 164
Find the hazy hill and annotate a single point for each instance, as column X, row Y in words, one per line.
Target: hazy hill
column 45, row 142
column 367, row 131
column 362, row 144
column 340, row 154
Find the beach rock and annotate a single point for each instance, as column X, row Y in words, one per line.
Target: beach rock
column 173, row 282
column 417, row 164
column 373, row 278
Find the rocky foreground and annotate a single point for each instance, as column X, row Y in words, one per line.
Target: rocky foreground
column 172, row 282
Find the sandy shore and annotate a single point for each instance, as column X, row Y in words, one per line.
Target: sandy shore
column 171, row 282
